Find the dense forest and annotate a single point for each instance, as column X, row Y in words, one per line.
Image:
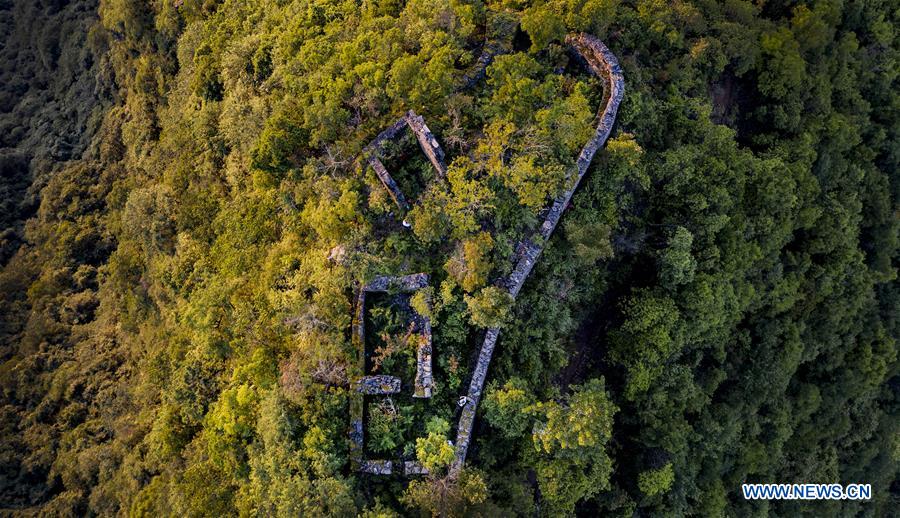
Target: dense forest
column 187, row 221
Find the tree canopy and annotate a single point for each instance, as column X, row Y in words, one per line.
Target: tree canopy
column 187, row 221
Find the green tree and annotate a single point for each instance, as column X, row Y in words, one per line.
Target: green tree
column 517, row 88
column 544, row 25
column 471, row 263
column 590, row 241
column 490, row 307
column 504, row 407
column 677, row 265
column 570, row 445
column 386, row 427
column 646, row 339
column 434, row 451
column 656, row 481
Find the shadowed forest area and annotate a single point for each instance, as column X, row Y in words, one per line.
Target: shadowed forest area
column 187, row 218
column 51, row 102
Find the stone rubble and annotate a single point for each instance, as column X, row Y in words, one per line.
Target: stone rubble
column 377, row 385
column 402, row 284
column 413, row 468
column 377, row 467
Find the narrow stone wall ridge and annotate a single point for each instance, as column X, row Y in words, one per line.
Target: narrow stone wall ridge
column 602, row 62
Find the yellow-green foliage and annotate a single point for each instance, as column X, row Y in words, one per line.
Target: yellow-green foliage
column 654, row 482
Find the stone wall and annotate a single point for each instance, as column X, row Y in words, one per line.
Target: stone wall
column 424, row 379
column 602, row 62
column 388, row 181
column 498, row 40
column 403, row 284
column 356, row 434
column 376, row 146
column 412, row 468
column 377, row 385
column 427, row 142
column 377, row 467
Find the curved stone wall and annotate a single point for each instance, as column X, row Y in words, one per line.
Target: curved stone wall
column 602, row 62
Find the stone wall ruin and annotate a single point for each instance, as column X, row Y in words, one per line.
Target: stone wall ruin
column 602, row 62
column 381, row 384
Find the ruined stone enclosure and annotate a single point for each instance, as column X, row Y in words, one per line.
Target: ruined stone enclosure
column 599, row 61
column 378, row 389
column 427, row 142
